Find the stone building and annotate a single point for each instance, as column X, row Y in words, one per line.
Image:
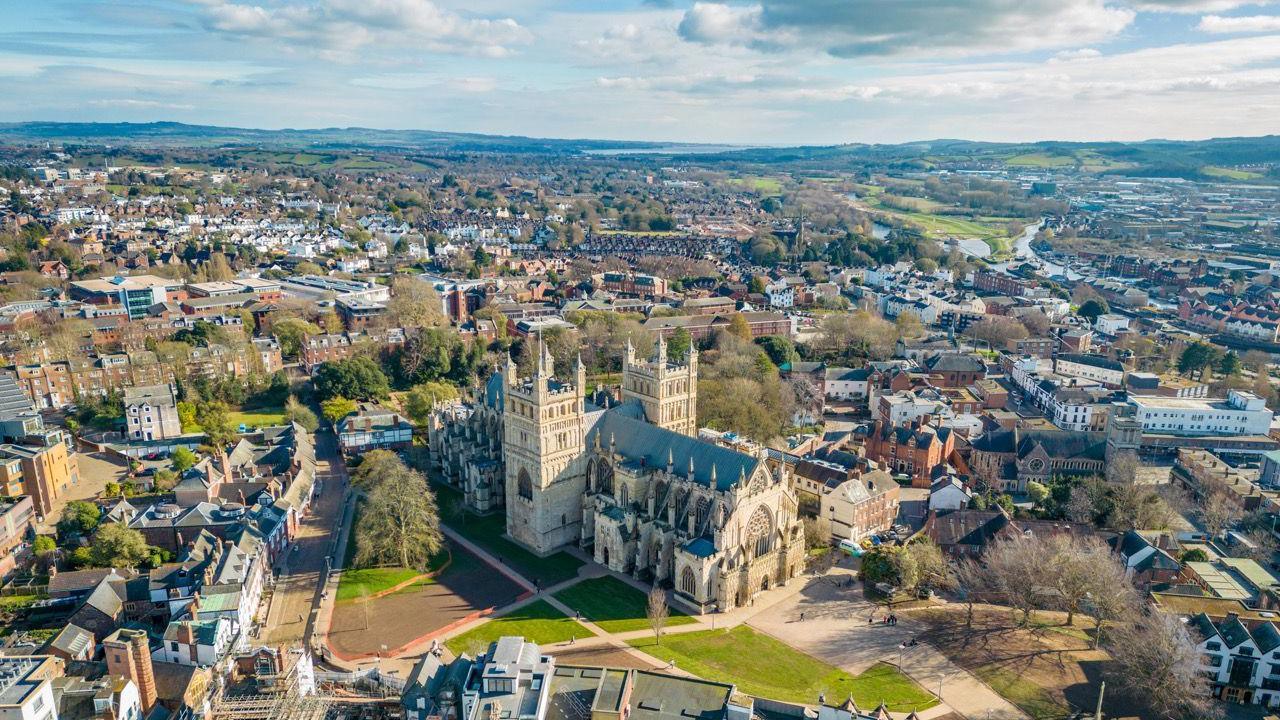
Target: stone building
column 626, row 480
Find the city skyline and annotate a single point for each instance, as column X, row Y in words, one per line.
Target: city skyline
column 774, row 72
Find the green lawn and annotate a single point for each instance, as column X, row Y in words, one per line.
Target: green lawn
column 1032, row 699
column 537, row 622
column 256, row 418
column 762, row 185
column 1229, row 173
column 614, row 605
column 761, row 666
column 357, row 583
column 13, row 603
column 486, row 531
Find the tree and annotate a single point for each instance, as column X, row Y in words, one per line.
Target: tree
column 290, row 333
column 657, row 611
column 399, row 522
column 116, row 545
column 1229, row 365
column 1122, row 467
column 1037, row 492
column 187, row 416
column 679, row 343
column 182, row 460
column 817, row 532
column 1218, row 511
column 43, row 547
column 215, row 421
column 296, row 412
column 879, row 566
column 375, row 466
column 738, row 326
column 1196, row 358
column 757, row 285
column 414, row 304
column 68, row 337
column 781, row 350
column 1156, row 663
column 996, row 331
column 1112, row 597
column 358, row 377
column 1015, row 569
column 1194, row 555
column 164, row 480
column 1092, row 308
column 921, row 566
column 79, row 517
column 909, row 326
column 419, row 401
column 336, row 408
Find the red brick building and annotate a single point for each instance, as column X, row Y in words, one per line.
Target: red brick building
column 914, row 449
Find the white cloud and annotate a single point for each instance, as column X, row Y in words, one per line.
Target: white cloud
column 891, row 27
column 339, row 27
column 1194, row 6
column 1253, row 24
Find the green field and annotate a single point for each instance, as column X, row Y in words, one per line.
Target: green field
column 614, row 605
column 487, row 532
column 761, row 666
column 1041, row 160
column 13, row 603
column 1229, row 173
column 1032, row 699
column 256, row 418
column 537, row 622
column 762, row 185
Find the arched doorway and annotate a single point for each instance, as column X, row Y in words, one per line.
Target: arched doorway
column 764, row 583
column 604, row 555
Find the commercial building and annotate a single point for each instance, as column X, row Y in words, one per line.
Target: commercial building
column 1240, row 413
column 26, row 687
column 134, row 293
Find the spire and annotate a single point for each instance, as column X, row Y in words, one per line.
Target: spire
column 660, row 352
column 713, row 475
column 690, row 475
column 671, row 460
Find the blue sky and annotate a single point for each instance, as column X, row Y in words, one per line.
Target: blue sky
column 768, row 71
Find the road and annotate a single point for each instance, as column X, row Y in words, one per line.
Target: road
column 297, row 589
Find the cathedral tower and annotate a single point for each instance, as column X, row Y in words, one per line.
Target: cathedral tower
column 667, row 390
column 543, row 440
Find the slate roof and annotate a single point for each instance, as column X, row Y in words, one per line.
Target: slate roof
column 1058, row 443
column 652, row 446
column 968, row 527
column 955, row 362
column 1098, row 361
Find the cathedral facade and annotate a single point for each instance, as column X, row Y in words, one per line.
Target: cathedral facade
column 630, row 483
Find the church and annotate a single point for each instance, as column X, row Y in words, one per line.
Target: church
column 624, row 478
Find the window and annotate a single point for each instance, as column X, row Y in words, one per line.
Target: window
column 524, row 486
column 688, row 582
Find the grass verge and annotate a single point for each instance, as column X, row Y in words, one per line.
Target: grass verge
column 537, row 622
column 614, row 605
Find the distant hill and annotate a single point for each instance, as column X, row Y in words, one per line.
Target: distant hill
column 1242, row 159
column 172, row 134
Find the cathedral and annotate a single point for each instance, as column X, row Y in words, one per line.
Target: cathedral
column 624, row 478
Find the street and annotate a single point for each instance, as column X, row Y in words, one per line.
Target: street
column 290, row 618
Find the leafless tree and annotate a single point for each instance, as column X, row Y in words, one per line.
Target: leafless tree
column 969, row 581
column 657, row 612
column 1218, row 511
column 1112, row 597
column 1122, row 467
column 1156, row 663
column 1016, row 568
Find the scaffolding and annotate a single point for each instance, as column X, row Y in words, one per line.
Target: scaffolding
column 277, row 698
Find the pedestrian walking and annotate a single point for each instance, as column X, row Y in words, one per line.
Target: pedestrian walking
column 801, row 617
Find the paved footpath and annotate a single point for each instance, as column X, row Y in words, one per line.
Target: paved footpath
column 836, row 630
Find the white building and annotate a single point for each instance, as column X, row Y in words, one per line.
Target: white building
column 1111, row 323
column 1090, row 367
column 1241, row 413
column 26, row 687
column 201, row 643
column 1242, row 662
column 781, row 295
column 151, row 413
column 842, row 383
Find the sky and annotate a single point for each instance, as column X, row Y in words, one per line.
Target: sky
column 756, row 72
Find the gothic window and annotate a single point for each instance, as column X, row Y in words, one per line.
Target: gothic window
column 605, row 473
column 524, row 485
column 592, row 472
column 688, row 582
column 760, row 531
column 704, row 509
column 623, row 495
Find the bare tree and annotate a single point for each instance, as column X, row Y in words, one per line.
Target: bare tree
column 1156, row 663
column 1016, row 568
column 657, row 612
column 970, row 581
column 1218, row 511
column 1122, row 467
column 1112, row 597
column 1079, row 568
